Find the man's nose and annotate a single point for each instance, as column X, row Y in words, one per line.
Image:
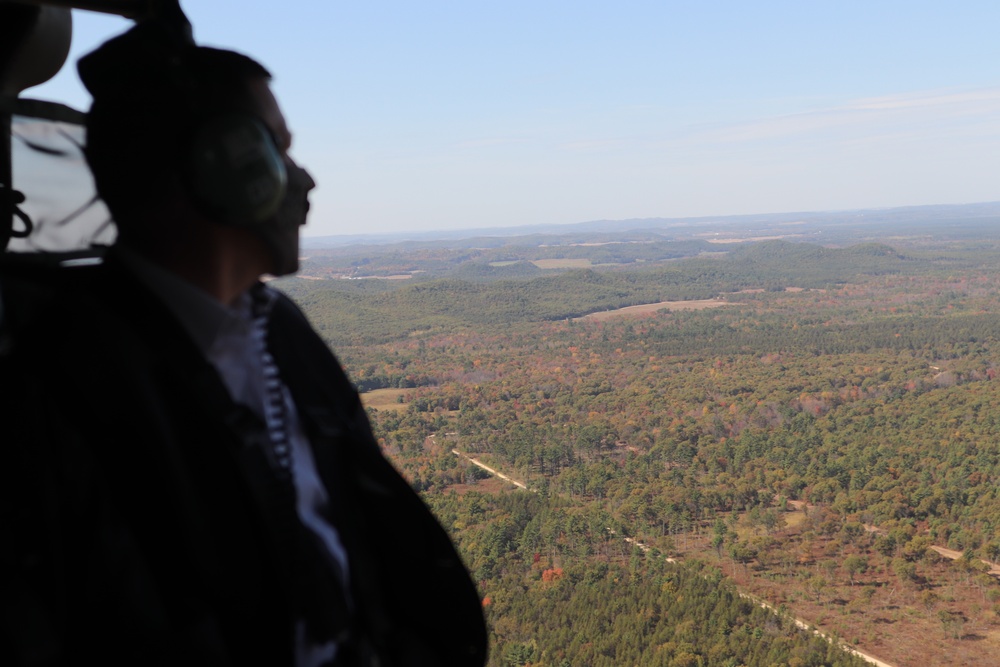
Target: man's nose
column 310, row 182
column 298, row 177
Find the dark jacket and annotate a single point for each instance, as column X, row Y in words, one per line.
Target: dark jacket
column 133, row 500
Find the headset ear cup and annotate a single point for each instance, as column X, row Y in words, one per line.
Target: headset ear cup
column 236, row 171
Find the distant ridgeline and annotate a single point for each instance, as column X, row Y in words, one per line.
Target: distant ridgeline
column 834, row 228
column 356, row 311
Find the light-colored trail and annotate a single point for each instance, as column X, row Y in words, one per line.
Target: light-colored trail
column 497, row 473
column 805, row 625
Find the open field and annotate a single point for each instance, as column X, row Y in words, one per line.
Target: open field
column 562, row 263
column 753, row 239
column 384, row 399
column 700, row 304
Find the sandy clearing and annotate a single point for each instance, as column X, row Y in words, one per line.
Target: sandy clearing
column 754, row 239
column 562, row 263
column 642, row 309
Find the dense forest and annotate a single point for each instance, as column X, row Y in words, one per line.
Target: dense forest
column 818, row 436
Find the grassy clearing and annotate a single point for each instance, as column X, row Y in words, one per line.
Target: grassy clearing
column 698, row 304
column 385, row 399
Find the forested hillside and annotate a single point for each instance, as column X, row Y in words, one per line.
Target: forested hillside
column 351, row 312
column 807, row 442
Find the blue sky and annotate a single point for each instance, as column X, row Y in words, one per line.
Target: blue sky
column 450, row 115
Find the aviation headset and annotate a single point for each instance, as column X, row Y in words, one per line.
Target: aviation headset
column 234, row 169
column 227, row 159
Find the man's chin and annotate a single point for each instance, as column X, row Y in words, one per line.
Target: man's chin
column 285, row 262
column 283, row 250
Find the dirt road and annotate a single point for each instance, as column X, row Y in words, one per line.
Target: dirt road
column 496, row 473
column 955, row 555
column 804, row 625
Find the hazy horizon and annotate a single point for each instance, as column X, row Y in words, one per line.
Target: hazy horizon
column 946, row 213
